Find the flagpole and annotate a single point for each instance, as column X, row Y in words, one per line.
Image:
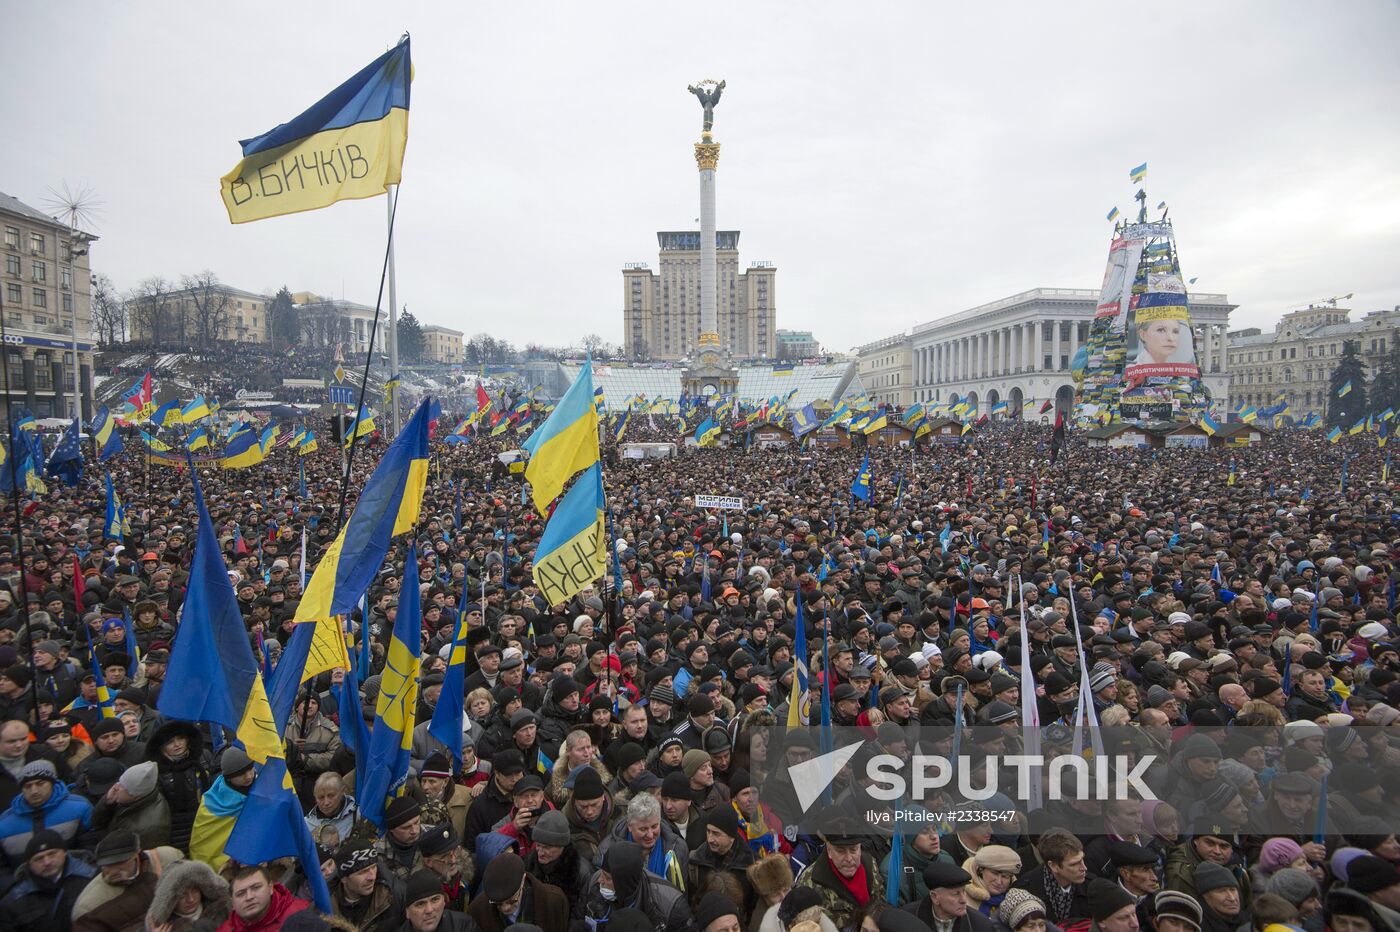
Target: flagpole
column 19, row 528
column 391, row 203
column 369, row 358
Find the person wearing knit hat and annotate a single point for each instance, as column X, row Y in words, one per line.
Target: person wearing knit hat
column 1278, row 853
column 1219, row 892
column 1018, row 908
column 1112, row 908
column 1175, row 911
column 1375, row 878
column 512, row 896
column 717, row 913
column 722, row 851
column 403, row 825
column 1297, row 887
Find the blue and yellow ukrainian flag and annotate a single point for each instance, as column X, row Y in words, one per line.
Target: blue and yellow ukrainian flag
column 599, row 405
column 707, row 434
column 573, row 551
column 307, row 443
column 1344, row 390
column 197, row 440
column 159, row 446
column 213, row 676
column 1358, row 427
column 349, row 145
column 1209, row 424
column 104, row 693
column 389, row 506
column 1334, row 435
column 269, row 437
column 391, row 738
column 361, row 426
column 620, row 428
column 243, row 450
column 565, row 443
column 876, row 422
column 860, row 488
column 198, row 408
column 1139, row 173
column 840, row 414
column 109, row 442
column 167, row 415
column 1113, row 215
column 1249, row 415
column 114, row 524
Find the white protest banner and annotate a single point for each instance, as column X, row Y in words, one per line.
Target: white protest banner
column 726, row 502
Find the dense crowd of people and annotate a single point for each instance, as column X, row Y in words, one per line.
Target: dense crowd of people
column 1231, row 611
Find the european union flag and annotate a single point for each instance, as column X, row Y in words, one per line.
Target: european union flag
column 860, row 488
column 386, row 764
column 272, row 826
column 66, row 460
column 213, row 675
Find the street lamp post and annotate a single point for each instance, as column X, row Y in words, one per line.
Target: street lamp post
column 76, row 247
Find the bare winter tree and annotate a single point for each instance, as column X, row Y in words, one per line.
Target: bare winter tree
column 108, row 311
column 210, row 307
column 151, row 306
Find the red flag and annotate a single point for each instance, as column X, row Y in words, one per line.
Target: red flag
column 1046, row 406
column 78, row 586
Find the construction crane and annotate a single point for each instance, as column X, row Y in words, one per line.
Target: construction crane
column 1325, row 302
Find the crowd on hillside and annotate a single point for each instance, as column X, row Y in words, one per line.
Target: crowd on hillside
column 1235, row 613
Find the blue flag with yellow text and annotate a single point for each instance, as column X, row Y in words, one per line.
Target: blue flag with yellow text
column 386, row 764
column 349, row 145
column 446, row 725
column 860, row 488
column 573, row 550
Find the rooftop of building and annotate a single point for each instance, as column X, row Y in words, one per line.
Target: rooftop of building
column 445, row 331
column 9, row 204
column 813, row 382
column 1076, row 296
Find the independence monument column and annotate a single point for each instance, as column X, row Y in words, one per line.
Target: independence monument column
column 707, row 160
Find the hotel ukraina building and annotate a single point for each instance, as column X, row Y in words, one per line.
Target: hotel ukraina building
column 1018, row 350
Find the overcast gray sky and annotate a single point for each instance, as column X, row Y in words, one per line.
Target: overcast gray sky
column 897, row 161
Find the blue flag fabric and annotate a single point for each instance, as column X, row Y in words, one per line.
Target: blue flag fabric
column 446, row 725
column 271, row 826
column 66, row 460
column 860, row 488
column 213, row 675
column 386, row 765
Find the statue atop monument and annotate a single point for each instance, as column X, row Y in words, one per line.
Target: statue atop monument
column 707, row 92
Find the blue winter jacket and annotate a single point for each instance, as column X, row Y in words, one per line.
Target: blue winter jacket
column 65, row 812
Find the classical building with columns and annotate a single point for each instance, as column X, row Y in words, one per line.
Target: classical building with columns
column 1018, row 349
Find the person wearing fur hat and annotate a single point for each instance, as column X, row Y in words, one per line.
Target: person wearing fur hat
column 771, row 880
column 722, row 851
column 189, row 897
column 993, row 869
column 183, row 775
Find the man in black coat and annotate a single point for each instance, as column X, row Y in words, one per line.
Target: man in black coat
column 1060, row 879
column 494, row 803
column 947, row 900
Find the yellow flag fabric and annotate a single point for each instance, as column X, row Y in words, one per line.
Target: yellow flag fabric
column 349, row 145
